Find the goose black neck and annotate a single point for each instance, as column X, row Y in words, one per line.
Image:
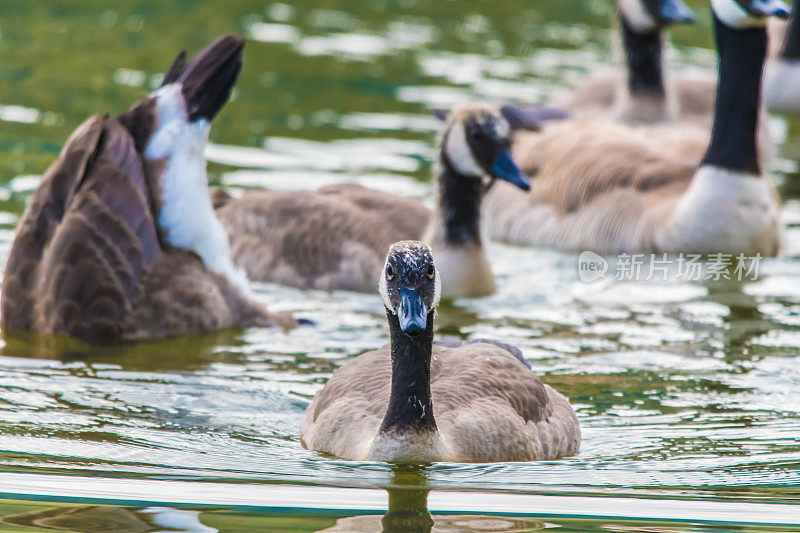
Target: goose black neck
column 733, row 136
column 791, row 41
column 410, row 405
column 459, row 205
column 643, row 58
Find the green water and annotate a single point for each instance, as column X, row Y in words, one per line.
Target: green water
column 687, row 392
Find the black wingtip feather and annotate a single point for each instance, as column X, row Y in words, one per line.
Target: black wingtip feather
column 208, row 80
column 175, row 70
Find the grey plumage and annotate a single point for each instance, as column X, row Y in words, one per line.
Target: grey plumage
column 488, row 406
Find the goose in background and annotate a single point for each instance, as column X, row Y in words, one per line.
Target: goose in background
column 644, row 93
column 615, row 188
column 337, row 237
column 782, row 78
column 413, row 402
column 119, row 241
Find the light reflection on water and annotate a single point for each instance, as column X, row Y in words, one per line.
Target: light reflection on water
column 681, row 388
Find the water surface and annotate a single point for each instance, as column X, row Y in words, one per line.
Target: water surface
column 688, row 391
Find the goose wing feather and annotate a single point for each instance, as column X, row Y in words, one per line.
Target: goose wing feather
column 84, row 240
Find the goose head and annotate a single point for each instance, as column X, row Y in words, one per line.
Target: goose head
column 742, row 14
column 648, row 16
column 477, row 144
column 410, row 285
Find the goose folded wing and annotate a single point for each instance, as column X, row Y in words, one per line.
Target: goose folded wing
column 105, row 241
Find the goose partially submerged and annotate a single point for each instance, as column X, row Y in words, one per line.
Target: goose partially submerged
column 412, row 401
column 336, row 237
column 611, row 187
column 120, row 241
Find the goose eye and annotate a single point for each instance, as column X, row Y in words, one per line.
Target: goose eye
column 389, row 272
column 431, row 271
column 476, row 135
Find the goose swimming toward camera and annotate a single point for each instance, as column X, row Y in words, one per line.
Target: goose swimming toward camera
column 782, row 78
column 120, row 241
column 412, row 401
column 615, row 188
column 644, row 94
column 336, row 237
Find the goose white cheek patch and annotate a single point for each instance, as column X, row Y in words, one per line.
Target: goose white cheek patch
column 734, row 16
column 459, row 153
column 437, row 290
column 384, row 290
column 636, row 16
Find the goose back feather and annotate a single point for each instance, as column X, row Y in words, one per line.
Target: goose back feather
column 615, row 188
column 337, row 239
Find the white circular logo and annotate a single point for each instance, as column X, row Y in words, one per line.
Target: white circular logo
column 591, row 266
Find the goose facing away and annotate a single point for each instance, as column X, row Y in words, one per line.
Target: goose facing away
column 415, row 402
column 120, row 241
column 644, row 93
column 782, row 78
column 615, row 188
column 337, row 237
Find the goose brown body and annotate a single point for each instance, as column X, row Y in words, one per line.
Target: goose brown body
column 90, row 261
column 614, row 188
column 488, row 405
column 337, row 240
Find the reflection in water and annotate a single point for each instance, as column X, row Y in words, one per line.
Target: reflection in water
column 681, row 388
column 408, row 513
column 178, row 353
column 107, row 519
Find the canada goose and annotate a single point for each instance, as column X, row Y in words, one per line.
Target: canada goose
column 782, row 78
column 336, row 237
column 644, row 94
column 120, row 241
column 413, row 402
column 615, row 188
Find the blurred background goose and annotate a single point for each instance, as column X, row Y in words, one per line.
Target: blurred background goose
column 782, row 78
column 120, row 241
column 337, row 237
column 614, row 188
column 415, row 402
column 644, row 93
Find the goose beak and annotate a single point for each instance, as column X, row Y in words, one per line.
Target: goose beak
column 505, row 169
column 769, row 8
column 412, row 313
column 675, row 12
